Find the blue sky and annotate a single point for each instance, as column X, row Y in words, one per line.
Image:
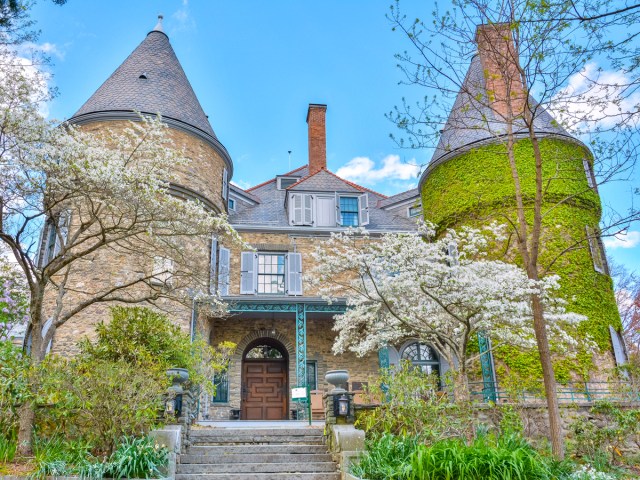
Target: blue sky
column 255, row 66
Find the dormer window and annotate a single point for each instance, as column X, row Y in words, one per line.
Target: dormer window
column 328, row 209
column 349, row 211
column 286, row 182
column 415, row 211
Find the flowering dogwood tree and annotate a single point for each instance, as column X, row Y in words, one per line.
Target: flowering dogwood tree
column 442, row 291
column 93, row 193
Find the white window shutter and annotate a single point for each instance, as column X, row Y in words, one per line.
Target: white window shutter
column 307, row 210
column 223, row 271
column 338, row 212
column 213, row 265
column 295, row 209
column 618, row 346
column 247, row 273
column 597, row 254
column 363, row 207
column 225, row 184
column 591, row 181
column 294, row 274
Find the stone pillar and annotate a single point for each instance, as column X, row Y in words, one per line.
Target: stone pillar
column 330, row 418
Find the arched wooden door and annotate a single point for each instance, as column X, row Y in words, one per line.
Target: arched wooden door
column 265, row 381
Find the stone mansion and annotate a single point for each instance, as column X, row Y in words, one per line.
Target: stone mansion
column 282, row 327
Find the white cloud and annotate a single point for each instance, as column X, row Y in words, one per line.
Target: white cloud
column 595, row 96
column 31, row 49
column 623, row 240
column 184, row 19
column 241, row 184
column 363, row 170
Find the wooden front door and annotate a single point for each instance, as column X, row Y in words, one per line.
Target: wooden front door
column 264, row 390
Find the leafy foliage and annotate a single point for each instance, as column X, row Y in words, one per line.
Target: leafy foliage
column 14, row 385
column 149, row 340
column 139, row 457
column 414, row 406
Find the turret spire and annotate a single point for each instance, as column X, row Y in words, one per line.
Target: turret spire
column 158, row 27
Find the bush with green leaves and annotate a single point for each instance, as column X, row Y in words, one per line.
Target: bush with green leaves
column 148, row 339
column 488, row 457
column 414, row 405
column 605, row 432
column 99, row 401
column 134, row 457
column 14, row 385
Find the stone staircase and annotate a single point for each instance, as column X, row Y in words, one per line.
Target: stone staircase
column 297, row 453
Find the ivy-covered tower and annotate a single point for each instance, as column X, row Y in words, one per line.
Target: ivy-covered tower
column 469, row 182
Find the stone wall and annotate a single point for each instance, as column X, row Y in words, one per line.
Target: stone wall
column 116, row 265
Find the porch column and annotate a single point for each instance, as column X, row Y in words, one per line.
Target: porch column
column 383, row 358
column 301, row 344
column 486, row 363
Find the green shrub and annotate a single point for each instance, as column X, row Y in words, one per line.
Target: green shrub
column 137, row 458
column 100, row 401
column 8, row 446
column 148, row 339
column 414, row 406
column 386, row 457
column 15, row 377
column 505, row 458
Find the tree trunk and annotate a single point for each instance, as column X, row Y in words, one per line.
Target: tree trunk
column 460, row 387
column 555, row 427
column 26, row 412
column 27, row 417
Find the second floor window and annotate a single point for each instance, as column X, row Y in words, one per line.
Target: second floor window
column 349, row 211
column 271, row 273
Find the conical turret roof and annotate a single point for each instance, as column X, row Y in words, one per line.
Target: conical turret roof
column 151, row 80
column 472, row 123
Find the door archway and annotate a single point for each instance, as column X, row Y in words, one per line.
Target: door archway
column 265, row 380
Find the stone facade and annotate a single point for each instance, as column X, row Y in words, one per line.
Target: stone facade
column 320, row 339
column 113, row 266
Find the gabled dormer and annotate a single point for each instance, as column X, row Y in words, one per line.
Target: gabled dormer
column 323, row 199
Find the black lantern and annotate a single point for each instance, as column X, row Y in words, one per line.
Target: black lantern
column 341, row 405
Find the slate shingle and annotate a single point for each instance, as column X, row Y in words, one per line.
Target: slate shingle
column 166, row 89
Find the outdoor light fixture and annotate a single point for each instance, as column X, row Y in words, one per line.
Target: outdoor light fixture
column 341, row 405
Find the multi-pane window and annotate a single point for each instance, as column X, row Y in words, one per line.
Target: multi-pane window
column 349, row 211
column 221, row 382
column 232, row 204
column 312, row 375
column 51, row 240
column 415, row 211
column 422, row 356
column 271, row 273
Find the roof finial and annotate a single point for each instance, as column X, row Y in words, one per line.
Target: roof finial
column 158, row 27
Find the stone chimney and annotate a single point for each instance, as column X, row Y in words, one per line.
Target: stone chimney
column 317, row 138
column 499, row 61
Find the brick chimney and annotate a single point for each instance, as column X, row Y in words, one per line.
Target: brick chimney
column 499, row 59
column 317, row 138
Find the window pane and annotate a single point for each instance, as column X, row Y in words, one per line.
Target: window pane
column 271, row 273
column 349, row 211
column 311, row 376
column 221, row 381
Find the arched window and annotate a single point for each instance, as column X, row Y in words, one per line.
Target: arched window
column 264, row 352
column 423, row 357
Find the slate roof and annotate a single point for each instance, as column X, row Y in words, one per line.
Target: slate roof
column 271, row 212
column 166, row 90
column 325, row 181
column 472, row 123
column 398, row 198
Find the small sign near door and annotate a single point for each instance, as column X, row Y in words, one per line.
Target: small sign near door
column 299, row 393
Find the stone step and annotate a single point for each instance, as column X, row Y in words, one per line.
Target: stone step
column 296, row 448
column 287, row 431
column 227, row 457
column 259, row 476
column 204, row 469
column 255, row 437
